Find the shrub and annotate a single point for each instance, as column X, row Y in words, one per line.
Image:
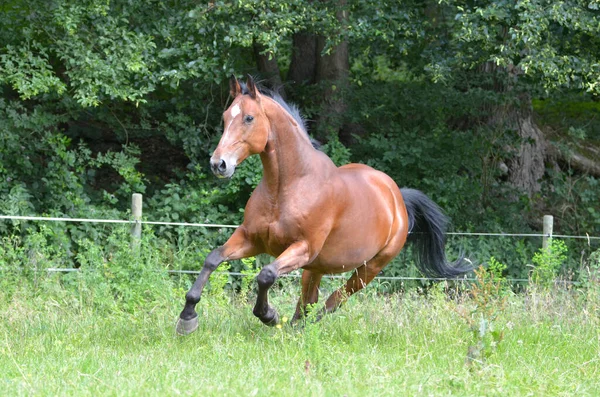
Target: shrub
column 547, row 261
column 111, row 275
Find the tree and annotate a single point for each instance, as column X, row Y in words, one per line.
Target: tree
column 522, row 49
column 435, row 93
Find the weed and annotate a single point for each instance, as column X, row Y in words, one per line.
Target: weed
column 547, row 262
column 249, row 272
column 590, row 277
column 488, row 305
column 590, row 281
column 216, row 289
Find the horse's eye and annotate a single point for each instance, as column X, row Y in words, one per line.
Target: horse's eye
column 248, row 119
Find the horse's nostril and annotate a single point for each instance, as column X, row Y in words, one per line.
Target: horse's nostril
column 219, row 166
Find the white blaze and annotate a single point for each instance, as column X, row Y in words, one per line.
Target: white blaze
column 235, row 110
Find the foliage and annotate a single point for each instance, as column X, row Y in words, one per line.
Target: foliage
column 339, row 153
column 495, row 274
column 576, row 196
column 547, row 262
column 117, row 50
column 591, row 275
column 249, row 273
column 545, row 44
column 116, row 275
column 102, row 99
column 109, row 276
column 216, row 286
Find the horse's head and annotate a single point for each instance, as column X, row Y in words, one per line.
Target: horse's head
column 246, row 129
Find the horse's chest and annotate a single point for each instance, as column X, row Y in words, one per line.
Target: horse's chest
column 276, row 235
column 278, row 226
column 277, row 238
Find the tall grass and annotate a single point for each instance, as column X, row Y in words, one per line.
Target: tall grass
column 109, row 330
column 401, row 344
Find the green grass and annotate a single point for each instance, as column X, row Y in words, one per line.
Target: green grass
column 402, row 344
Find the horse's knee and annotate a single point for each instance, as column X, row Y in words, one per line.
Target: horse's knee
column 266, row 277
column 213, row 260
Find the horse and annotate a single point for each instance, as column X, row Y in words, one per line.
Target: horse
column 312, row 215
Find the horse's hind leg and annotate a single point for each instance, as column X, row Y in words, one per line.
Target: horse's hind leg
column 361, row 276
column 310, row 293
column 237, row 247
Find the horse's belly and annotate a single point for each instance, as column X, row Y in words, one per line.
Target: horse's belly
column 338, row 256
column 326, row 264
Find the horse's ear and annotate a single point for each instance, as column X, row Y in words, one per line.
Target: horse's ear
column 252, row 91
column 234, row 86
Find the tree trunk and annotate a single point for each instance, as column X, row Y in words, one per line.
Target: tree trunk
column 332, row 71
column 268, row 68
column 310, row 66
column 526, row 169
column 303, row 65
column 526, row 166
column 333, row 66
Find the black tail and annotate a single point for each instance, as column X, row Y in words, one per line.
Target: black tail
column 427, row 230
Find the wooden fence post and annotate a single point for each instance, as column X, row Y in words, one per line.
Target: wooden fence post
column 548, row 226
column 136, row 212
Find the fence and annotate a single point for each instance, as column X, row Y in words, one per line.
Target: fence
column 136, row 233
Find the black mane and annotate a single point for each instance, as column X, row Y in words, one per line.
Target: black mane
column 290, row 108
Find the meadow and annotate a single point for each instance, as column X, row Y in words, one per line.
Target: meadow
column 53, row 342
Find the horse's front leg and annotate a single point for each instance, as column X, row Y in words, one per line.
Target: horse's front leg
column 238, row 246
column 294, row 257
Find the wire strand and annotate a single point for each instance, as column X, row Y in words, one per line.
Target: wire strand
column 293, row 275
column 211, row 225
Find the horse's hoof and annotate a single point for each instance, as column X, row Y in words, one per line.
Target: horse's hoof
column 186, row 327
column 271, row 319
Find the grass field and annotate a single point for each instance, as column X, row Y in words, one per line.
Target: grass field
column 377, row 345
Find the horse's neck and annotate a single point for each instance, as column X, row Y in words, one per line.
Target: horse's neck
column 288, row 154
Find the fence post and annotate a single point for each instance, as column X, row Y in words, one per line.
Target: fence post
column 548, row 226
column 136, row 212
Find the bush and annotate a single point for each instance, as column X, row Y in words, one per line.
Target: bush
column 110, row 275
column 547, row 261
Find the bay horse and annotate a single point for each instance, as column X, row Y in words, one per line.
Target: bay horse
column 312, row 215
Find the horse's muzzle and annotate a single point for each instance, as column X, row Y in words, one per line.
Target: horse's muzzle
column 221, row 168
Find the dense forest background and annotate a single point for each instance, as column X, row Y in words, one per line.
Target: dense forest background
column 489, row 107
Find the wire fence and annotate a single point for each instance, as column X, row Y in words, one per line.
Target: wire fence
column 137, row 222
column 116, row 221
column 212, row 225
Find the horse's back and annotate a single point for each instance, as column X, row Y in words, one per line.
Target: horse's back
column 369, row 178
column 371, row 193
